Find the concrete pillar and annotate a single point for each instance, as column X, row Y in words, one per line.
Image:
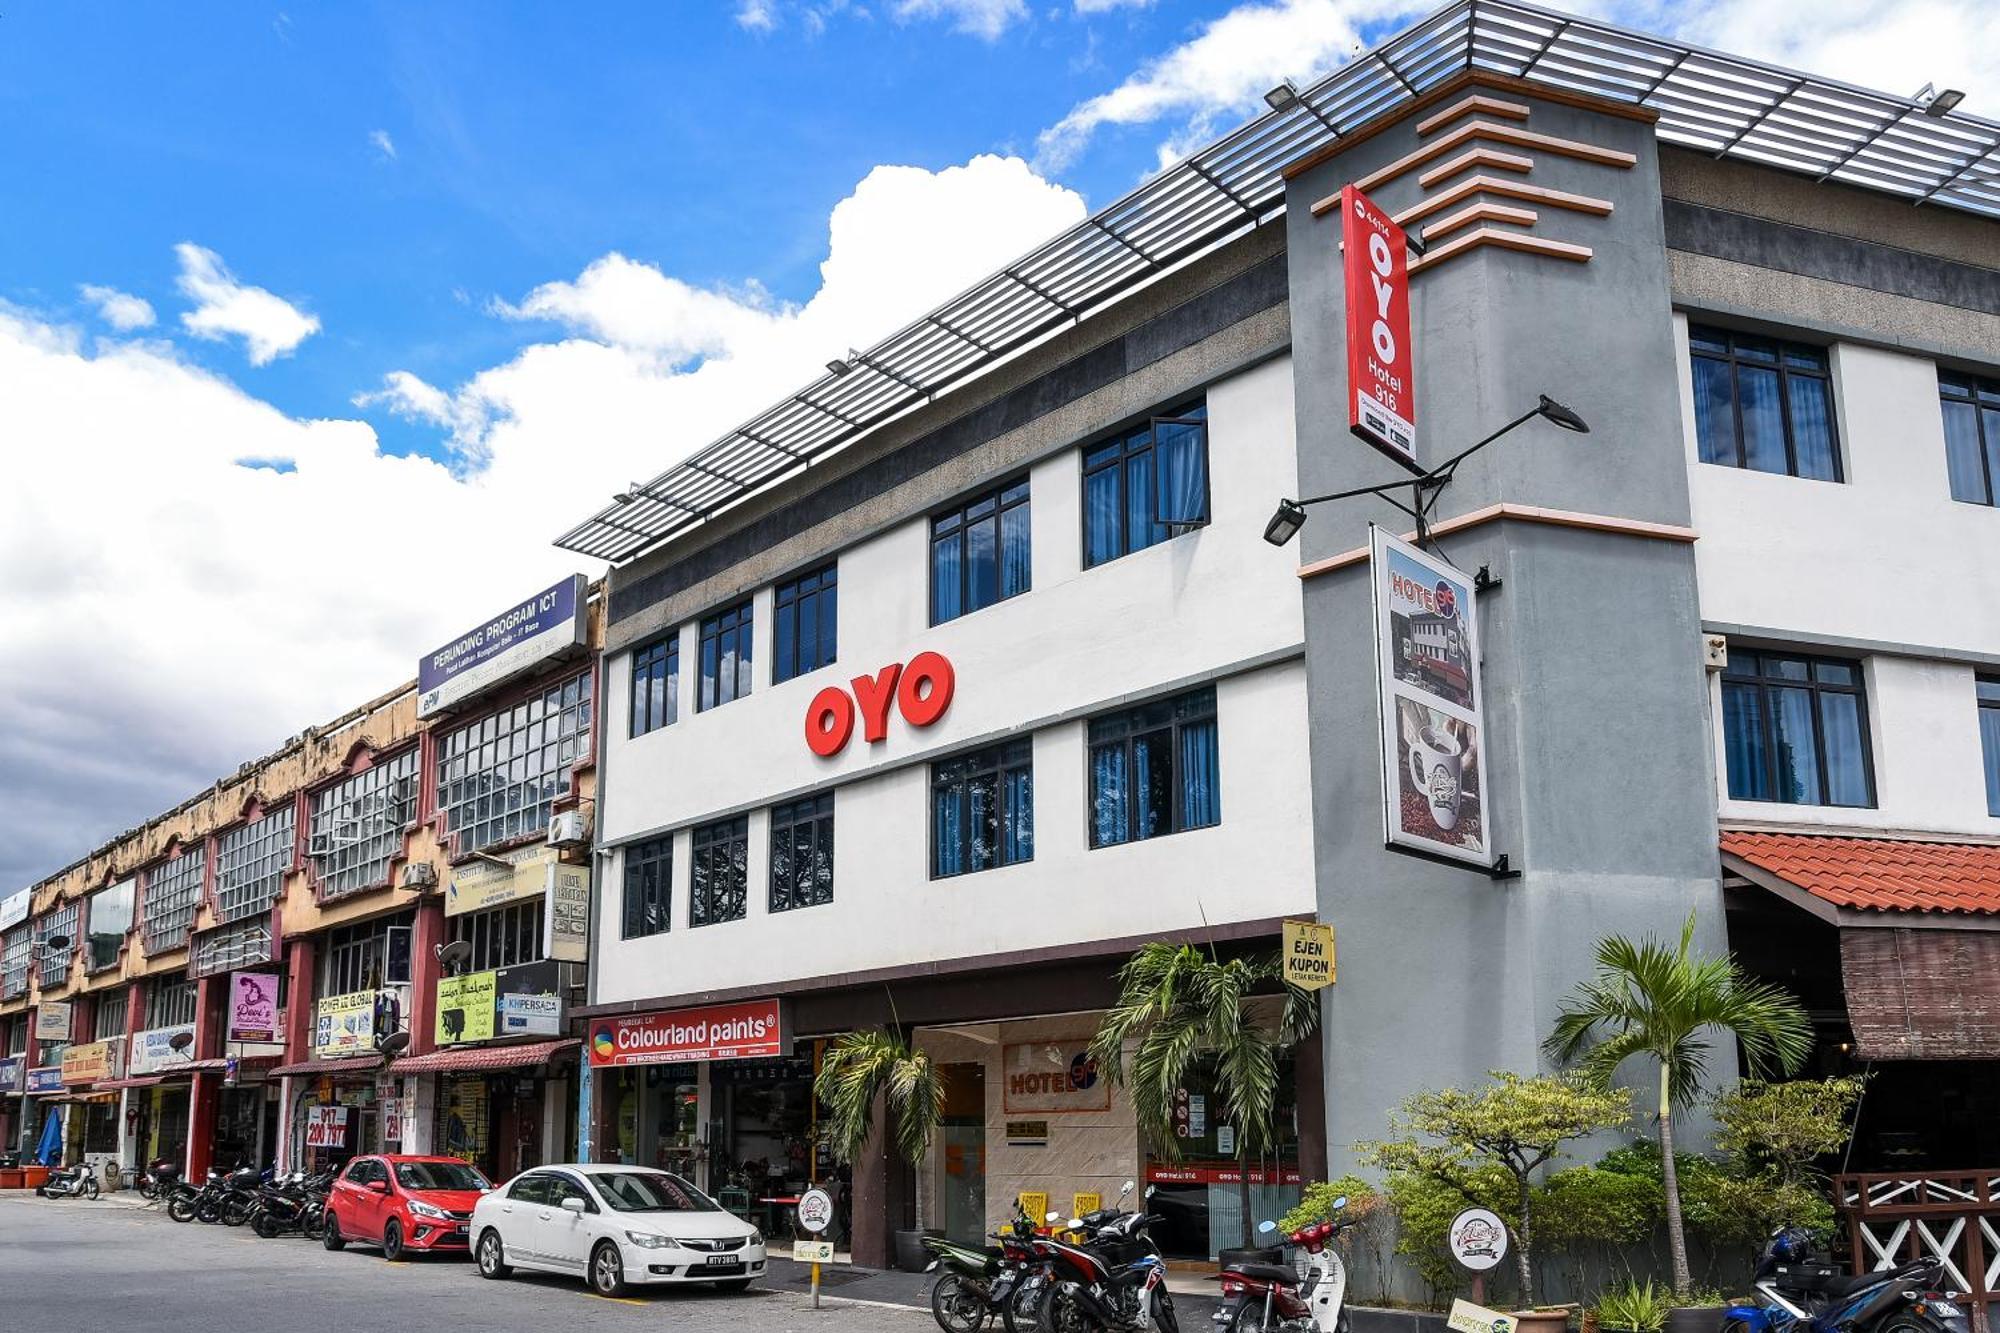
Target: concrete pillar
column 555, row 1101
column 424, row 943
column 1309, row 1082
column 298, row 1019
column 420, row 1129
column 287, row 1090
column 205, row 1093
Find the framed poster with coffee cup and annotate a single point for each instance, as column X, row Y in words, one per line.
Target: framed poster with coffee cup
column 1427, row 660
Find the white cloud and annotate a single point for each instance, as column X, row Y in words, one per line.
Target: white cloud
column 176, row 602
column 269, row 325
column 756, row 15
column 986, row 19
column 121, row 310
column 383, row 143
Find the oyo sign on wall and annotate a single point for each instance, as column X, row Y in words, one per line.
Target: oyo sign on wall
column 1381, row 374
column 920, row 690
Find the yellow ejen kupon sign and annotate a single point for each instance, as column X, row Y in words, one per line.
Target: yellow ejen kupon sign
column 465, row 1007
column 1308, row 954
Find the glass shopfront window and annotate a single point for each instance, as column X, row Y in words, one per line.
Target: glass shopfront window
column 1201, row 1193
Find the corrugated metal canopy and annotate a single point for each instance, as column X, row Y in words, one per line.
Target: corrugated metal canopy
column 1704, row 99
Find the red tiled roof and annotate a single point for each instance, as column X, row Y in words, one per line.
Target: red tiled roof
column 1878, row 874
column 486, row 1057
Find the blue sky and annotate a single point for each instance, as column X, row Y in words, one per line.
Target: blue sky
column 318, row 322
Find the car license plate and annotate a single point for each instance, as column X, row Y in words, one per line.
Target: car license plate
column 722, row 1261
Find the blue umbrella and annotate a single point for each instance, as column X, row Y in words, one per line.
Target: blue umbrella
column 51, row 1150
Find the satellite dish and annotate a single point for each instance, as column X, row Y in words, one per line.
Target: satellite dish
column 393, row 1044
column 454, row 954
column 180, row 1041
column 55, row 943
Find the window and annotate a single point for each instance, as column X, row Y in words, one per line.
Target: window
column 656, row 683
column 651, row 1192
column 250, row 865
column 1153, row 770
column 109, row 1020
column 568, row 1187
column 979, row 552
column 725, row 657
column 719, row 875
column 357, row 826
column 802, row 853
column 365, row 956
column 1796, row 730
column 1763, row 404
column 649, row 887
column 109, row 921
column 17, row 1034
column 16, row 948
column 1989, row 739
column 983, row 810
column 462, row 1176
column 173, row 891
column 366, row 1169
column 170, row 1001
column 52, row 960
column 498, row 777
column 501, row 936
column 1143, row 486
column 532, row 1189
column 1971, row 437
column 806, row 620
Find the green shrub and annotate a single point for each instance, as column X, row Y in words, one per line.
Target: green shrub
column 1633, row 1308
column 1587, row 1204
column 1317, row 1203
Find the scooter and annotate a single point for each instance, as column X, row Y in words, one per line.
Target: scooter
column 157, row 1180
column 1272, row 1298
column 70, row 1182
column 1115, row 1281
column 979, row 1282
column 1805, row 1292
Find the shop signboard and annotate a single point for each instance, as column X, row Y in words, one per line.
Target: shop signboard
column 45, row 1079
column 1469, row 1318
column 524, row 635
column 1381, row 372
column 344, row 1024
column 1027, row 1133
column 253, row 1007
column 566, row 921
column 1478, row 1240
column 465, row 1008
column 750, row 1029
column 14, row 908
column 52, row 1020
column 90, row 1061
column 1308, row 954
column 920, row 692
column 153, row 1049
column 1052, row 1077
column 530, row 1015
column 326, row 1127
column 490, row 881
column 12, row 1073
column 1430, row 706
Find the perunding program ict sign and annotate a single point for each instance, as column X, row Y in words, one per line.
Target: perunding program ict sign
column 524, row 635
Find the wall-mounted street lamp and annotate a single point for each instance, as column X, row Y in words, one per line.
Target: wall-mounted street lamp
column 1291, row 515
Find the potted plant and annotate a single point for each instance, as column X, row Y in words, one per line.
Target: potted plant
column 1632, row 1308
column 862, row 1067
column 1665, row 1002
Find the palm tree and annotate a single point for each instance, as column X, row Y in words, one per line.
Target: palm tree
column 859, row 1067
column 1652, row 999
column 1180, row 1007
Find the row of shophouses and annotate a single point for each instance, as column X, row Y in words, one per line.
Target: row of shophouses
column 995, row 600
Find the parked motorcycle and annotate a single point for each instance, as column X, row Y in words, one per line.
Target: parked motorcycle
column 1113, row 1282
column 70, row 1182
column 159, row 1173
column 185, row 1201
column 980, row 1281
column 1263, row 1297
column 1805, row 1292
column 296, row 1202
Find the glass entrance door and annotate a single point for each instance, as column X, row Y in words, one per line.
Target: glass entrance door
column 963, row 1183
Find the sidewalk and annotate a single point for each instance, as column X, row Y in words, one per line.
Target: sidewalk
column 1194, row 1299
column 115, row 1199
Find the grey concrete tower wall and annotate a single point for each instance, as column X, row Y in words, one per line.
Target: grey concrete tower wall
column 1597, row 747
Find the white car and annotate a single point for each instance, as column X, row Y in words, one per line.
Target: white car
column 613, row 1226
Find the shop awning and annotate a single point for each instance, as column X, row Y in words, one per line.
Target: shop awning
column 139, row 1081
column 474, row 1059
column 1919, row 930
column 353, row 1064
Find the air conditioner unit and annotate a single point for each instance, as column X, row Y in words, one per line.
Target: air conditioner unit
column 420, row 875
column 568, row 829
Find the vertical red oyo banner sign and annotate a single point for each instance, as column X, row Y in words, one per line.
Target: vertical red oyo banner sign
column 1381, row 372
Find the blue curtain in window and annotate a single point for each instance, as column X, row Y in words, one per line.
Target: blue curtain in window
column 983, row 799
column 1015, row 551
column 1798, row 752
column 1714, row 412
column 1989, row 744
column 947, row 579
column 1109, row 820
column 1201, row 784
column 1019, row 831
column 1846, row 760
column 948, row 831
column 1183, row 472
column 1763, row 420
column 1140, row 529
column 1812, row 426
column 1961, row 453
column 1743, row 742
column 982, row 581
column 1103, row 537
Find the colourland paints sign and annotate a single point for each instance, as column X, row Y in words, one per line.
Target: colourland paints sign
column 714, row 1032
column 519, row 637
column 1381, row 382
column 1432, row 713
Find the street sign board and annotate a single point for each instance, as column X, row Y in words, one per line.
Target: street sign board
column 1478, row 1240
column 1308, row 954
column 812, row 1251
column 816, row 1210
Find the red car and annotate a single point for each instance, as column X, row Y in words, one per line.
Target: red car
column 403, row 1204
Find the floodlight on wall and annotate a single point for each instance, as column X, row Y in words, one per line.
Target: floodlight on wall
column 1938, row 103
column 838, row 367
column 1284, row 95
column 633, row 492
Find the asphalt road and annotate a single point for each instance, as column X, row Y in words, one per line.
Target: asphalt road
column 75, row 1265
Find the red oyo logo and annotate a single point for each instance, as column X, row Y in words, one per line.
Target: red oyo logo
column 920, row 690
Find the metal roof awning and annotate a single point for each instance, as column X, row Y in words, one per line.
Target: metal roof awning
column 476, row 1059
column 1705, row 100
column 353, row 1064
column 138, row 1081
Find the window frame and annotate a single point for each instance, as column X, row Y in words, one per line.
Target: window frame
column 956, row 514
column 65, row 919
column 1735, row 674
column 706, row 845
column 1982, row 395
column 509, row 935
column 391, row 786
column 1134, row 730
column 353, row 950
column 1192, row 412
column 263, row 851
column 1001, row 760
column 173, row 905
column 91, row 965
column 171, row 1000
column 118, row 1012
column 825, row 594
column 17, row 960
column 1986, row 696
column 659, row 657
column 655, row 854
column 1785, row 372
column 743, row 630
column 552, row 725
column 815, row 814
